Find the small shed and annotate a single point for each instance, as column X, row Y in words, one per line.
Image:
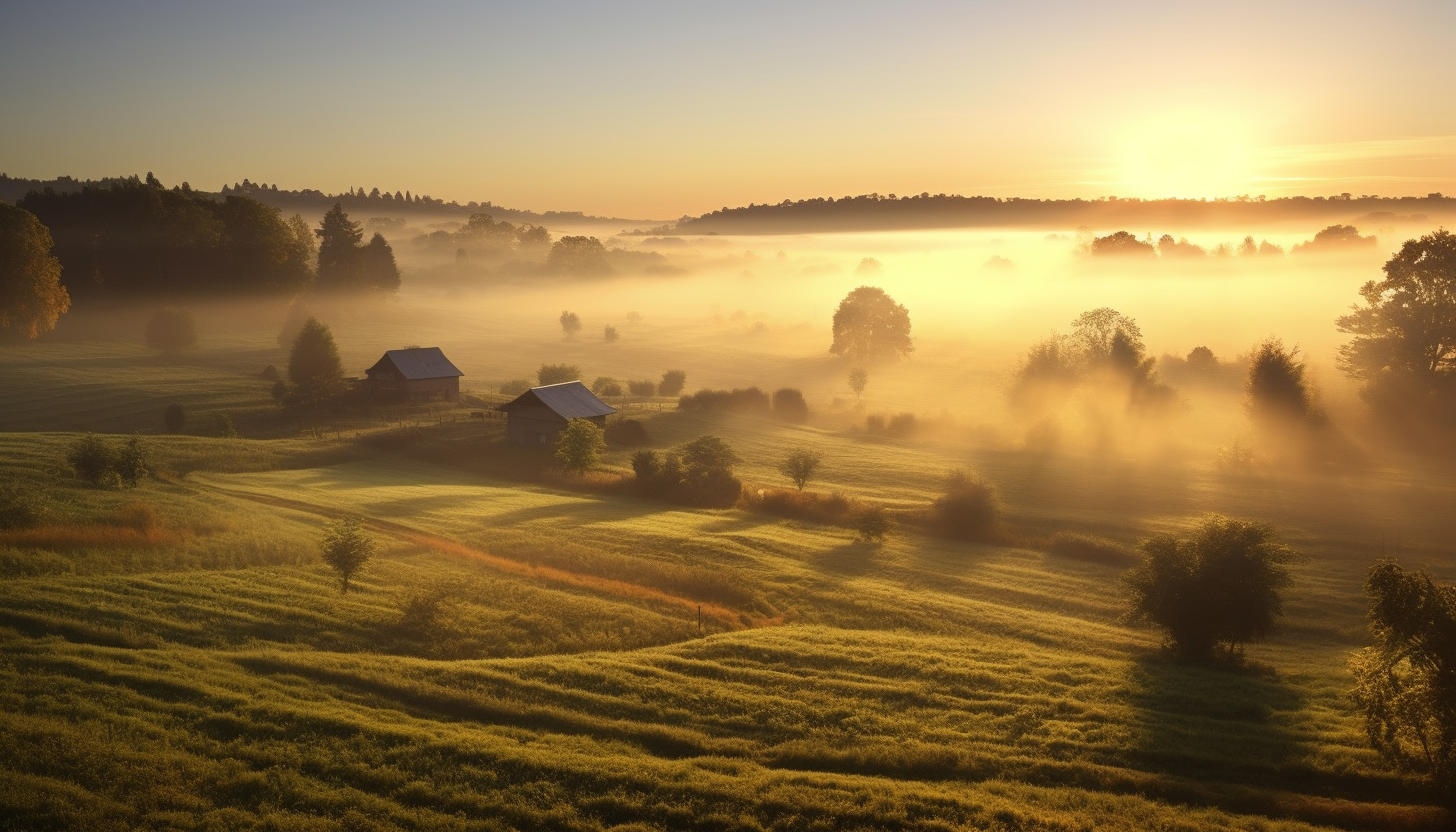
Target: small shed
column 415, row 374
column 538, row 415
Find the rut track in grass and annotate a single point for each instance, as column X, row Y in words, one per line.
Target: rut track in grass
column 595, row 583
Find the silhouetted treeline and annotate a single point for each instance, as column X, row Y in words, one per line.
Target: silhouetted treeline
column 873, row 211
column 310, row 202
column 133, row 238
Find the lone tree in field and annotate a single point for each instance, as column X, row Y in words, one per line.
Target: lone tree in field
column 1216, row 585
column 858, row 378
column 570, row 324
column 314, row 368
column 346, row 547
column 1405, row 685
column 580, row 446
column 93, row 459
column 869, row 325
column 171, row 330
column 800, row 465
column 32, row 298
column 1275, row 393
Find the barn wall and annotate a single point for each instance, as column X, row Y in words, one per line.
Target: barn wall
column 527, row 425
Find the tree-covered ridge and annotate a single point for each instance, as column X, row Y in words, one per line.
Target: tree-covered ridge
column 136, row 238
column 926, row 210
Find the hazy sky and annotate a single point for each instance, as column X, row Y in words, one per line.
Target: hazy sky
column 663, row 109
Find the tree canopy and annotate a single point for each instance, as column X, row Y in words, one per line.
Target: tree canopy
column 1405, row 684
column 314, row 367
column 869, row 325
column 580, row 446
column 346, row 547
column 32, row 298
column 1276, row 392
column 344, row 264
column 1407, row 326
column 138, row 239
column 1218, row 584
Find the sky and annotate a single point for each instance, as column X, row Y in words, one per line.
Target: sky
column 658, row 110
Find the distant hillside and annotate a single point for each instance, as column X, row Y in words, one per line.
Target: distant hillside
column 358, row 202
column 874, row 212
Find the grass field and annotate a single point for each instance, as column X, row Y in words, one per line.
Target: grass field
column 529, row 653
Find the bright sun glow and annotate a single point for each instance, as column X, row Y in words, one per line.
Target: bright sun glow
column 1187, row 157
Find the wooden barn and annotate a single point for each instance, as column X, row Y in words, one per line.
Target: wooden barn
column 538, row 415
column 416, row 374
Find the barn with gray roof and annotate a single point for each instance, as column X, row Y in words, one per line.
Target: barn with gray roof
column 539, row 415
column 414, row 374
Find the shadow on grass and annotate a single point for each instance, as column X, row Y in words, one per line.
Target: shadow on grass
column 1226, row 736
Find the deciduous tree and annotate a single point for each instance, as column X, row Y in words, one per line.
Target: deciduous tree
column 32, row 298
column 1405, row 685
column 346, row 547
column 314, row 368
column 580, row 446
column 800, row 465
column 1218, row 584
column 869, row 325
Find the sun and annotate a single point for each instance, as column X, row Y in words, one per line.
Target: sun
column 1187, row 156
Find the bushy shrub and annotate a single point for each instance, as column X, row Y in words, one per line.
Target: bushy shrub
column 627, row 432
column 901, row 425
column 610, row 334
column 968, row 509
column 829, row 509
column 872, row 524
column 746, row 400
column 557, row 374
column 642, row 387
column 789, row 405
column 874, row 423
column 21, row 508
column 699, row 472
column 93, row 459
column 672, row 383
column 606, row 386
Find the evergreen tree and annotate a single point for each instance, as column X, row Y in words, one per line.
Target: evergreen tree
column 376, row 265
column 314, row 367
column 338, row 254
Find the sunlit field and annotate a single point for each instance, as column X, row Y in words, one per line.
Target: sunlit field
column 531, row 650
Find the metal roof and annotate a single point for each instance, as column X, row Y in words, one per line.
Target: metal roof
column 419, row 363
column 569, row 400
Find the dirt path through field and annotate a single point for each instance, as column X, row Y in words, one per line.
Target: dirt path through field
column 595, row 583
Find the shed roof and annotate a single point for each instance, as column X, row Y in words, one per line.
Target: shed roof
column 418, row 363
column 569, row 400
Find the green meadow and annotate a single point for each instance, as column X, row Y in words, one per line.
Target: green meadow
column 532, row 651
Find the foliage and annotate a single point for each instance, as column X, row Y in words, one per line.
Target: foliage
column 1121, row 244
column 699, row 472
column 627, row 432
column 872, row 524
column 133, row 462
column 1407, row 327
column 606, row 386
column 579, row 447
column 346, row 547
column 800, row 465
column 580, row 256
column 1219, row 584
column 347, row 264
column 858, row 378
column 222, row 426
column 968, row 509
column 869, row 325
column 744, row 400
column 174, row 417
column 1405, row 685
column 314, row 368
column 1275, row 392
column 642, row 387
column 610, row 334
column 557, row 374
column 829, row 509
column 171, row 330
column 672, row 383
column 1104, row 349
column 570, row 324
column 1337, row 238
column 1201, row 360
column 22, row 508
column 789, row 405
column 131, row 238
column 32, row 298
column 93, row 459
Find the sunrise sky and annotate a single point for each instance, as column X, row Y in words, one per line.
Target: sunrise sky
column 656, row 110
